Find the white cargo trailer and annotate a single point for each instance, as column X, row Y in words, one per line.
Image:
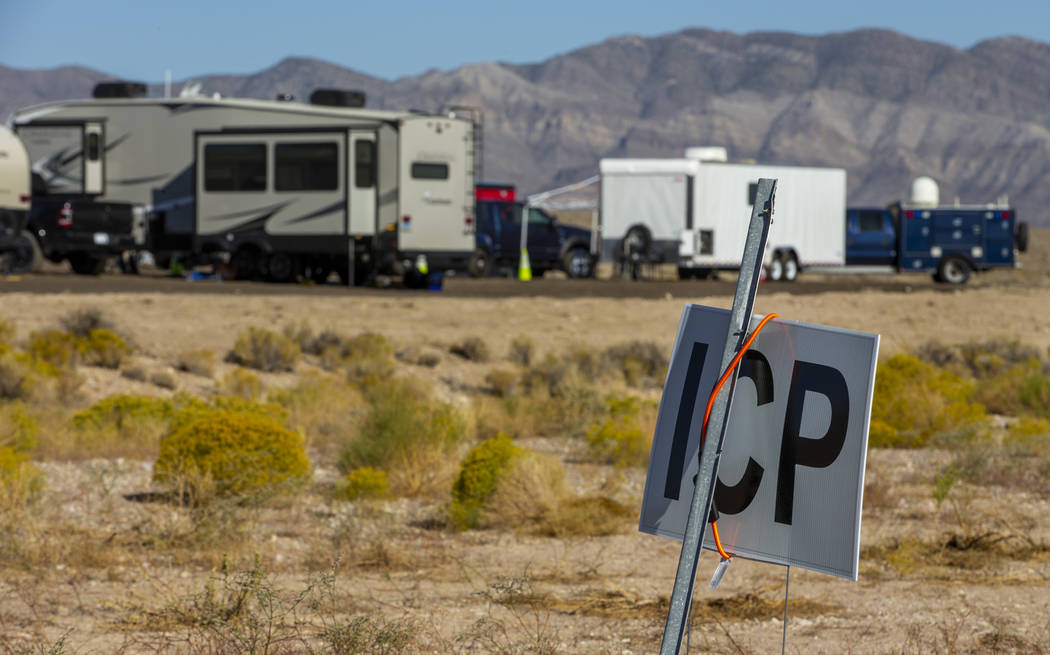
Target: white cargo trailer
column 694, row 214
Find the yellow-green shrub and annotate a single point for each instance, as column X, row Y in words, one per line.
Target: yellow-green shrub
column 322, row 407
column 914, row 401
column 368, row 357
column 55, row 347
column 478, row 475
column 102, row 348
column 365, row 482
column 24, row 377
column 240, row 382
column 264, row 350
column 1030, row 434
column 232, row 454
column 199, row 362
column 638, row 361
column 1023, row 389
column 18, row 428
column 20, row 481
column 621, row 439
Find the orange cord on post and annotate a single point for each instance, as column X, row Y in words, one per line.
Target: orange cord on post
column 711, row 401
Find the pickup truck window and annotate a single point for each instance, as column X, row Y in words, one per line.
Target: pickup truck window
column 306, row 166
column 235, row 167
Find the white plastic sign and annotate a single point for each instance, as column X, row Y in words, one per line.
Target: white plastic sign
column 791, row 475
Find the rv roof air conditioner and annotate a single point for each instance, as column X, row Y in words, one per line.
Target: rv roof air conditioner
column 119, row 90
column 338, row 98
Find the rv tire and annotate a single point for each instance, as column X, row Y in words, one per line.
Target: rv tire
column 281, row 267
column 84, row 263
column 26, row 254
column 480, row 264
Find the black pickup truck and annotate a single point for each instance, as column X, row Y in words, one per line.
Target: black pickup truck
column 85, row 232
column 551, row 245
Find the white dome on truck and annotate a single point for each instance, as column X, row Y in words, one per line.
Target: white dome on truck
column 707, row 153
column 924, row 191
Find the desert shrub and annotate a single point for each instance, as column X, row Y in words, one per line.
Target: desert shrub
column 621, row 439
column 240, row 405
column 502, row 382
column 7, row 334
column 121, row 410
column 55, row 347
column 102, row 348
column 522, row 350
column 914, row 402
column 477, row 478
column 365, row 482
column 17, row 379
column 135, row 372
column 240, row 382
column 980, row 359
column 549, row 376
column 264, row 350
column 24, row 377
column 368, row 357
column 199, row 362
column 18, row 428
column 82, row 322
column 586, row 516
column 324, row 409
column 402, row 423
column 638, row 361
column 414, row 354
column 232, row 454
column 527, row 493
column 569, row 412
column 164, row 379
column 473, row 349
column 1023, row 389
column 1029, row 434
column 124, row 424
column 20, row 481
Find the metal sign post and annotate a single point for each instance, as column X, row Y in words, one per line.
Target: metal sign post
column 740, row 318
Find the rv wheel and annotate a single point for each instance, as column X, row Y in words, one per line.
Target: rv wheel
column 26, row 254
column 281, row 267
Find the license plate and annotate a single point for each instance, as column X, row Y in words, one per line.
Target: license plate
column 101, row 239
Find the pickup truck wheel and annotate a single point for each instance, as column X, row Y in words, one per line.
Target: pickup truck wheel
column 776, row 269
column 26, row 254
column 86, row 264
column 480, row 264
column 953, row 270
column 281, row 267
column 578, row 263
column 790, row 267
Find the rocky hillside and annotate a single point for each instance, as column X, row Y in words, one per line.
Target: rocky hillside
column 884, row 106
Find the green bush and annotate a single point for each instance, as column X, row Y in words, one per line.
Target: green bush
column 54, row 347
column 102, row 348
column 914, row 402
column 264, row 350
column 18, row 428
column 620, row 440
column 123, row 410
column 400, row 418
column 365, row 482
column 478, row 475
column 20, row 481
column 232, row 454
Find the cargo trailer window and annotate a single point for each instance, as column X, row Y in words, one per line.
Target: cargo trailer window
column 306, row 166
column 364, row 164
column 870, row 221
column 92, row 146
column 235, row 167
column 429, row 171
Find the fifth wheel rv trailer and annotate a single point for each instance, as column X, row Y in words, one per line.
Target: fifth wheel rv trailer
column 285, row 188
column 14, row 196
column 694, row 214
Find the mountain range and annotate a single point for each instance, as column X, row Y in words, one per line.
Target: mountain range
column 882, row 105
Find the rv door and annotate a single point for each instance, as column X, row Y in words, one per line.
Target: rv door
column 437, row 185
column 94, row 161
column 362, row 183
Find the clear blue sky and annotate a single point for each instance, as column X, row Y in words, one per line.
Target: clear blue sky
column 140, row 39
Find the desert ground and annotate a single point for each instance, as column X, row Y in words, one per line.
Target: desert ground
column 100, row 562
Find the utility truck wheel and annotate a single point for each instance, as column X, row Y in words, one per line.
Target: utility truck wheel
column 480, row 264
column 790, row 267
column 86, row 264
column 281, row 267
column 1021, row 237
column 578, row 263
column 954, row 270
column 26, row 254
column 776, row 269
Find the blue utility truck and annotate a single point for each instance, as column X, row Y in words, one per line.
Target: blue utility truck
column 951, row 242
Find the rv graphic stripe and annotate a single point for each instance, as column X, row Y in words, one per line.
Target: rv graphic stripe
column 324, row 211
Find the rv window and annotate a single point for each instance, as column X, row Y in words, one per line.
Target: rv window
column 235, row 167
column 870, row 221
column 752, row 192
column 427, row 171
column 306, row 166
column 364, row 164
column 92, row 146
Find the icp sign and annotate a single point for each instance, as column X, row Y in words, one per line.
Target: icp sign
column 791, row 476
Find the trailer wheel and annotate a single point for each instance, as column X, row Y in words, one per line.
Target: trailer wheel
column 776, row 269
column 84, row 263
column 578, row 263
column 953, row 270
column 1021, row 236
column 480, row 264
column 281, row 267
column 26, row 254
column 790, row 267
column 319, row 273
